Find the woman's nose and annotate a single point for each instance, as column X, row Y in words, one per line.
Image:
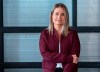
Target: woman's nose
column 59, row 16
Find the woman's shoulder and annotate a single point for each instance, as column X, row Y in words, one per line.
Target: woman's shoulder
column 45, row 31
column 73, row 31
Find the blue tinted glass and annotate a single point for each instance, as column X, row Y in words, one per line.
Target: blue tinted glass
column 90, row 47
column 30, row 12
column 88, row 12
column 21, row 47
column 40, row 70
column 24, row 70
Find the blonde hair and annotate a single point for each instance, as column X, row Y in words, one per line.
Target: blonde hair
column 66, row 25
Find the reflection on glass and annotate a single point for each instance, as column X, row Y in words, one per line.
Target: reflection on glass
column 88, row 12
column 40, row 70
column 23, row 70
column 90, row 47
column 88, row 69
column 21, row 47
column 30, row 12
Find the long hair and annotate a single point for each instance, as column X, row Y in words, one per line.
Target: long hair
column 65, row 25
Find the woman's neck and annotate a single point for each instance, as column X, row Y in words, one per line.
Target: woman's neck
column 58, row 29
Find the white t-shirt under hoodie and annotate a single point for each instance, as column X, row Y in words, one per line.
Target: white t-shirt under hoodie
column 59, row 65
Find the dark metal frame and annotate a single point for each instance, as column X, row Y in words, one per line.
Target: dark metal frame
column 39, row 65
column 80, row 29
column 1, row 37
column 74, row 13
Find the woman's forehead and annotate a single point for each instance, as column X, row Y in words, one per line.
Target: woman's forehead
column 58, row 9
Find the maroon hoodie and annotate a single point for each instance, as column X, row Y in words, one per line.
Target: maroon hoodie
column 49, row 49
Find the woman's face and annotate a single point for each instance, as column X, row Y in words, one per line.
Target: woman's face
column 58, row 16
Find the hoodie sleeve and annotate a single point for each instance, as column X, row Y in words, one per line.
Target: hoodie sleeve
column 75, row 44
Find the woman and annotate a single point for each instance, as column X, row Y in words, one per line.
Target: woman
column 59, row 44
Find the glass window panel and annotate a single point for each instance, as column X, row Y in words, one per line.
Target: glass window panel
column 88, row 12
column 23, row 70
column 30, row 12
column 90, row 47
column 21, row 47
column 88, row 69
column 40, row 70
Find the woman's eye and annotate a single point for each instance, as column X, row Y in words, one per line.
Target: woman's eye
column 62, row 14
column 56, row 14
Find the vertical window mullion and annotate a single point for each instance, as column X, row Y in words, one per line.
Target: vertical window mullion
column 1, row 37
column 74, row 13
